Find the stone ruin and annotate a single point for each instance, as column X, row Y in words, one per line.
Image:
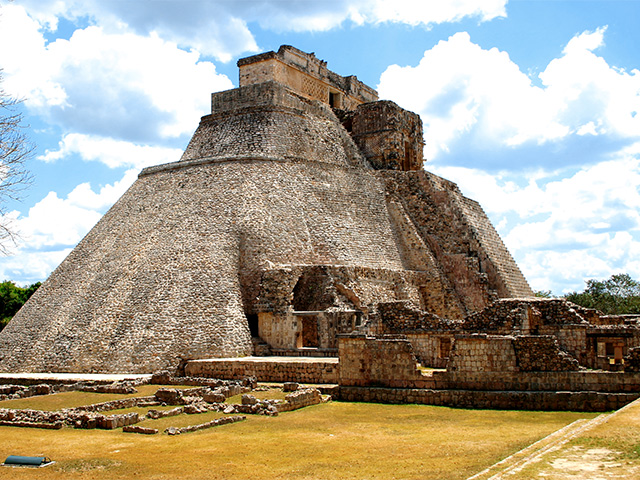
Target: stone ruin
column 299, row 205
column 209, row 396
column 300, row 222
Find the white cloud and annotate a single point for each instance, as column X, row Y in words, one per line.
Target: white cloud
column 463, row 91
column 55, row 221
column 586, row 225
column 322, row 16
column 593, row 95
column 113, row 153
column 415, row 12
column 84, row 197
column 29, row 267
column 585, row 42
column 23, row 62
column 54, row 225
column 219, row 28
column 121, row 85
column 211, row 28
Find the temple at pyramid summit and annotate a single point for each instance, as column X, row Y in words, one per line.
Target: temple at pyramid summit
column 299, row 214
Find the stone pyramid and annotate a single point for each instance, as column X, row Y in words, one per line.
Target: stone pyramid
column 299, row 204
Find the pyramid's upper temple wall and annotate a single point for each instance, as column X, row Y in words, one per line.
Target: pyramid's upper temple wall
column 307, row 76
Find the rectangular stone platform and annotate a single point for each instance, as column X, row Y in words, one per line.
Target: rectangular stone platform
column 267, row 369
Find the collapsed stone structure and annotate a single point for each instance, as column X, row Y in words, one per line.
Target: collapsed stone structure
column 299, row 205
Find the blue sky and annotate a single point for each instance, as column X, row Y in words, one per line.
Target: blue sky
column 532, row 107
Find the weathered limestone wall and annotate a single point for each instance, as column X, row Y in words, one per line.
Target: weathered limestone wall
column 388, row 374
column 578, row 401
column 437, row 294
column 322, row 287
column 472, row 258
column 540, row 316
column 526, row 316
column 388, row 136
column 505, row 353
column 268, row 121
column 574, row 381
column 483, row 353
column 431, row 349
column 380, row 361
column 401, row 317
column 541, row 353
column 290, row 370
column 295, row 330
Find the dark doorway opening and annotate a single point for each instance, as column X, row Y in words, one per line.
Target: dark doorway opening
column 309, row 331
column 253, row 325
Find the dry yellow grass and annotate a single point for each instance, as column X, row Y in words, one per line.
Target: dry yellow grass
column 75, row 399
column 609, row 450
column 335, row 440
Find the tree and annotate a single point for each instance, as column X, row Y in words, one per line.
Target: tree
column 543, row 294
column 617, row 295
column 15, row 150
column 12, row 298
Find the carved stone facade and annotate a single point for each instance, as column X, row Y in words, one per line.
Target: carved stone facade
column 306, row 75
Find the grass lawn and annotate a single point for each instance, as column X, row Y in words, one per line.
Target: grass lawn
column 338, row 440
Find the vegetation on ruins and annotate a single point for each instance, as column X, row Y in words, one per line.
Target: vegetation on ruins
column 12, row 298
column 617, row 295
column 15, row 150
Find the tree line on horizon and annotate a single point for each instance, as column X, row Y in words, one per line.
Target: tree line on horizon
column 617, row 295
column 12, row 297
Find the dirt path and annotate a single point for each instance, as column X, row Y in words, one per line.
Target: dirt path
column 557, row 457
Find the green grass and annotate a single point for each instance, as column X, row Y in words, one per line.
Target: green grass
column 334, row 440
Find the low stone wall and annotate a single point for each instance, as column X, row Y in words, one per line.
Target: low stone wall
column 202, row 426
column 377, row 361
column 577, row 381
column 540, row 353
column 473, row 353
column 116, row 404
column 139, row 429
column 323, row 370
column 501, row 400
column 71, row 417
column 46, row 426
